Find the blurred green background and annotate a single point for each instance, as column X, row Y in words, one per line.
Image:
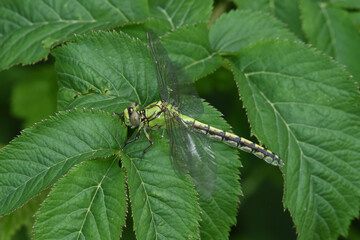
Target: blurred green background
column 28, row 94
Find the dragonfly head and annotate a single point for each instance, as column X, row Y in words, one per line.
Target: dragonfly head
column 131, row 115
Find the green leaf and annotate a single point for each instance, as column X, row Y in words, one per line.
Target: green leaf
column 218, row 211
column 351, row 4
column 285, row 10
column 30, row 28
column 233, row 31
column 45, row 152
column 24, row 216
column 88, row 203
column 189, row 47
column 179, row 13
column 160, row 207
column 332, row 30
column 168, row 16
column 139, row 30
column 105, row 70
column 307, row 112
column 163, row 202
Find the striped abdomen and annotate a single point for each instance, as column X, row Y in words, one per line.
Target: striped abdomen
column 235, row 141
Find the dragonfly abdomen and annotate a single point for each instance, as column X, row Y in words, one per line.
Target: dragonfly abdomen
column 235, row 141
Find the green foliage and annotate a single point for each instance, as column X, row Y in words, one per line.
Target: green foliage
column 306, row 123
column 356, row 19
column 287, row 11
column 10, row 224
column 154, row 179
column 350, row 4
column 301, row 104
column 146, row 176
column 34, row 96
column 43, row 153
column 163, row 202
column 190, row 48
column 178, row 13
column 30, row 28
column 234, row 30
column 330, row 28
column 111, row 84
column 227, row 191
column 92, row 203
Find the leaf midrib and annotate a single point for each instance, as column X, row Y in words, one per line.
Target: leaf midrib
column 93, row 198
column 95, row 71
column 47, row 169
column 287, row 127
column 302, row 155
column 147, row 195
column 34, row 41
column 143, row 183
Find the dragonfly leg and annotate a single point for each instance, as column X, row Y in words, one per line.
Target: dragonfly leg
column 132, row 140
column 150, row 140
column 119, row 114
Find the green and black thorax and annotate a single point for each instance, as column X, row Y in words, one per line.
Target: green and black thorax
column 152, row 116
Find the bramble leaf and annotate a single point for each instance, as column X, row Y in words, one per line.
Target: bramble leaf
column 235, row 30
column 179, row 13
column 287, row 11
column 164, row 202
column 350, row 4
column 43, row 153
column 89, row 202
column 30, row 28
column 331, row 29
column 218, row 211
column 189, row 47
column 106, row 71
column 305, row 108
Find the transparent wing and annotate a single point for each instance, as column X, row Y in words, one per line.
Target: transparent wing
column 192, row 153
column 167, row 83
column 174, row 85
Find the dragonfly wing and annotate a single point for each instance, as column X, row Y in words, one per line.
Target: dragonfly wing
column 191, row 105
column 174, row 84
column 165, row 70
column 192, row 153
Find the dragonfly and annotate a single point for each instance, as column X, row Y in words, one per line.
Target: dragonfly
column 189, row 139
